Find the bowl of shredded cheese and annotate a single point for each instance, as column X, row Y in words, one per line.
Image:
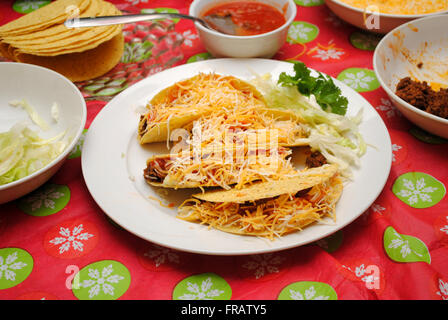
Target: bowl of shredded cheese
column 381, row 16
column 42, row 117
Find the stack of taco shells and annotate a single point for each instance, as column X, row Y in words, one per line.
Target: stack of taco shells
column 41, row 38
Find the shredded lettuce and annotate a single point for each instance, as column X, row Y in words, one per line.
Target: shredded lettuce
column 23, row 152
column 31, row 112
column 336, row 136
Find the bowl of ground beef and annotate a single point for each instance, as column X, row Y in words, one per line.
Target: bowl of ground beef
column 411, row 64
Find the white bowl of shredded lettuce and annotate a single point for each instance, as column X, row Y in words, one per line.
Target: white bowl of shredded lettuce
column 42, row 116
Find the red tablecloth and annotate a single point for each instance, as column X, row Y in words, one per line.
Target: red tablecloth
column 396, row 250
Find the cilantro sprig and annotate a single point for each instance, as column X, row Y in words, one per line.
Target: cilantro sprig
column 327, row 94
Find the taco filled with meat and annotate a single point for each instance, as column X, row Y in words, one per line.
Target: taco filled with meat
column 218, row 167
column 190, row 99
column 269, row 209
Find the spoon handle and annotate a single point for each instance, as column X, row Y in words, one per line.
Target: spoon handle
column 111, row 20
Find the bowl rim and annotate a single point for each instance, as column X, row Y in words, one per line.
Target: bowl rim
column 390, row 15
column 287, row 23
column 76, row 137
column 388, row 90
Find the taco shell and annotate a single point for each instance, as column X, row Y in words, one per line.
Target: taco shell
column 152, row 130
column 268, row 217
column 304, row 179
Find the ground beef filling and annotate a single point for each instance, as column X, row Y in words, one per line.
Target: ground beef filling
column 156, row 170
column 422, row 96
column 314, row 160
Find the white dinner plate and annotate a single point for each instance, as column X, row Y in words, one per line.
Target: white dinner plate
column 113, row 163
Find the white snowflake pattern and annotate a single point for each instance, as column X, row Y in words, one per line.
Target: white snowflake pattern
column 189, row 36
column 26, row 5
column 299, row 31
column 71, row 239
column 377, row 208
column 309, row 294
column 374, row 208
column 334, row 20
column 445, row 227
column 400, row 242
column 155, row 70
column 161, row 255
column 395, row 147
column 44, row 197
column 9, row 265
column 360, row 273
column 324, row 55
column 101, row 281
column 443, row 289
column 414, row 193
column 263, row 264
column 205, row 292
column 387, row 106
column 358, row 80
column 78, row 146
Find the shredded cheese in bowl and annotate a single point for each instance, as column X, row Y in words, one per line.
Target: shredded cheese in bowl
column 406, row 7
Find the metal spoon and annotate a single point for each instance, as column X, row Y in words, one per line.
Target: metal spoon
column 223, row 24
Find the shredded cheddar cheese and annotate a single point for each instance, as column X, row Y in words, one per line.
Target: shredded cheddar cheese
column 218, row 169
column 270, row 218
column 202, row 94
column 246, row 121
column 233, row 146
column 401, row 6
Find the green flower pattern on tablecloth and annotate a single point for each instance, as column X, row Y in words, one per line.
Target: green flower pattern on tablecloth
column 47, row 200
column 200, row 57
column 405, row 248
column 302, row 32
column 27, row 6
column 359, row 79
column 309, row 3
column 426, row 137
column 418, row 189
column 106, row 86
column 15, row 266
column 76, row 151
column 308, row 290
column 206, row 286
column 162, row 10
column 331, row 243
column 103, row 280
column 109, row 279
column 136, row 52
column 365, row 40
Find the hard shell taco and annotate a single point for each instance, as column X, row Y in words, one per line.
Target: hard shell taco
column 269, row 209
column 189, row 99
column 218, row 167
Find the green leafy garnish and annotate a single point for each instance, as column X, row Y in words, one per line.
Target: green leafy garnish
column 327, row 94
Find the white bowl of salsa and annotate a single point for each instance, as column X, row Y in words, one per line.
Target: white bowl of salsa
column 261, row 25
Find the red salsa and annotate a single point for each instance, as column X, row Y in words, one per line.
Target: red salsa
column 250, row 17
